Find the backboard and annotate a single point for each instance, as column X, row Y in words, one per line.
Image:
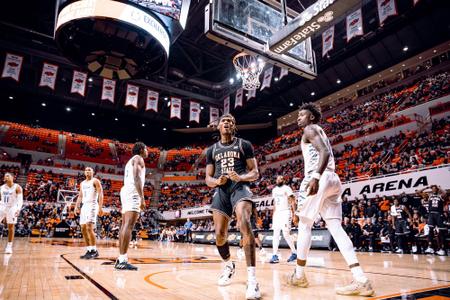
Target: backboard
column 248, row 25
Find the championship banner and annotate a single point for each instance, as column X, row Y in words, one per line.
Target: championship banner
column 132, row 95
column 78, row 83
column 213, row 115
column 108, row 89
column 175, row 108
column 386, row 8
column 152, row 101
column 239, row 96
column 354, row 24
column 267, row 78
column 194, row 112
column 226, row 105
column 48, row 76
column 12, row 67
column 327, row 40
column 251, row 94
column 395, row 185
column 283, row 73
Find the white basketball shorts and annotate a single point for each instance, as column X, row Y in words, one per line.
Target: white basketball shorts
column 327, row 201
column 9, row 213
column 88, row 214
column 282, row 219
column 130, row 201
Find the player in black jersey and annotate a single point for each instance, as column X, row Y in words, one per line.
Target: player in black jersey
column 436, row 218
column 401, row 225
column 230, row 166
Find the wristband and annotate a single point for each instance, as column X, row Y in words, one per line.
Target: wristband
column 316, row 175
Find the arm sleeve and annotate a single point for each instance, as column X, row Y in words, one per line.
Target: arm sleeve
column 247, row 148
column 19, row 201
column 209, row 156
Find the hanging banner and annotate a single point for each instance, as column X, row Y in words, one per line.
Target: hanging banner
column 175, row 108
column 239, row 98
column 267, row 78
column 213, row 115
column 251, row 94
column 78, row 83
column 354, row 24
column 194, row 112
column 12, row 67
column 48, row 76
column 327, row 40
column 283, row 73
column 132, row 95
column 226, row 105
column 152, row 101
column 386, row 8
column 108, row 89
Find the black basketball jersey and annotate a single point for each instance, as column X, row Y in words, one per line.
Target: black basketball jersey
column 231, row 157
column 435, row 203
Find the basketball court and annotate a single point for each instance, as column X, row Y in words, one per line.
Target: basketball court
column 51, row 269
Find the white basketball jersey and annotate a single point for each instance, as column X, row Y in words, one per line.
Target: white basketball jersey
column 280, row 196
column 9, row 195
column 90, row 194
column 311, row 155
column 128, row 179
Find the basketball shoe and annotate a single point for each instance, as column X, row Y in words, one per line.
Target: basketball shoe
column 227, row 274
column 356, row 288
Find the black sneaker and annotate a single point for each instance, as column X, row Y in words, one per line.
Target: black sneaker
column 92, row 254
column 86, row 255
column 124, row 266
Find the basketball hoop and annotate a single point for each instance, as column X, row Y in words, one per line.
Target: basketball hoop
column 249, row 68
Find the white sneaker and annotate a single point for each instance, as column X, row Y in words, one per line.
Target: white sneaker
column 8, row 250
column 262, row 252
column 441, row 252
column 356, row 289
column 227, row 274
column 429, row 251
column 414, row 249
column 253, row 291
column 399, row 251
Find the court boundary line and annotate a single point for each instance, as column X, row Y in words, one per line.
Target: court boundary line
column 412, row 292
column 90, row 279
column 149, row 281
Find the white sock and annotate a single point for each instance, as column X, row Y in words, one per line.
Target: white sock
column 358, row 274
column 123, row 258
column 94, row 248
column 9, row 244
column 299, row 271
column 251, row 274
column 287, row 236
column 275, row 241
column 88, row 248
column 229, row 263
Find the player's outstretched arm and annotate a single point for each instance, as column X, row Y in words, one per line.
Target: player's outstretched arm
column 19, row 204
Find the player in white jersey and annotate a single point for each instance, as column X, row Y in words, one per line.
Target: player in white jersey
column 132, row 199
column 10, row 205
column 284, row 209
column 320, row 194
column 91, row 197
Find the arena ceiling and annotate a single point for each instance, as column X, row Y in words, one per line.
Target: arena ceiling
column 199, row 68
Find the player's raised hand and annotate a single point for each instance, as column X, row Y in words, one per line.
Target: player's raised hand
column 221, row 180
column 313, row 187
column 234, row 176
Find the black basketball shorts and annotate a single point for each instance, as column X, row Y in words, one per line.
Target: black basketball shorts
column 435, row 220
column 225, row 199
column 401, row 227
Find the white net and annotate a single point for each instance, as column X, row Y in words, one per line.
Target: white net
column 66, row 198
column 249, row 68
